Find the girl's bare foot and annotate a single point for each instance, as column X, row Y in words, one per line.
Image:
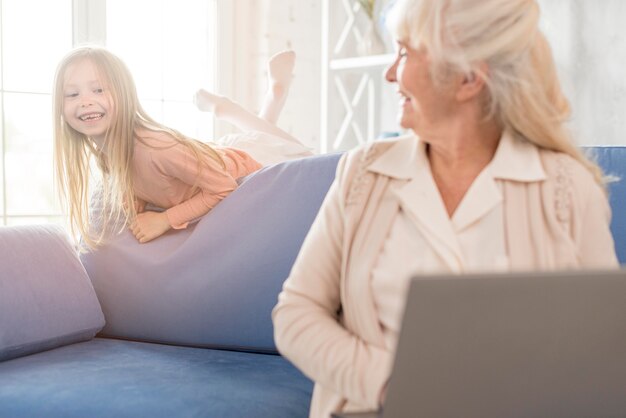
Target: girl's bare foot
column 209, row 102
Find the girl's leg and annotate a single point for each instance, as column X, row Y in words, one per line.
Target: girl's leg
column 279, row 72
column 234, row 113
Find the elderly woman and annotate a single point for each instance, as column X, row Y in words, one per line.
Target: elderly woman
column 488, row 180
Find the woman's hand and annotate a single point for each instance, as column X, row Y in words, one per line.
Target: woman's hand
column 150, row 225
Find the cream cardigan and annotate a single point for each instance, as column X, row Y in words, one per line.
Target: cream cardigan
column 325, row 321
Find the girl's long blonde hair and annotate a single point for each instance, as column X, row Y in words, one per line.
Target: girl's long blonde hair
column 525, row 95
column 73, row 151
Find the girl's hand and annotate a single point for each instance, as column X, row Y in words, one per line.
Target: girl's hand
column 140, row 205
column 150, row 225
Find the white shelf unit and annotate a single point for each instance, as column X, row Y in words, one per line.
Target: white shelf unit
column 370, row 61
column 351, row 82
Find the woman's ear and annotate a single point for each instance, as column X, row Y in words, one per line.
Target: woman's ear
column 472, row 83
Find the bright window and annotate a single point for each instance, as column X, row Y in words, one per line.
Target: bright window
column 31, row 46
column 169, row 47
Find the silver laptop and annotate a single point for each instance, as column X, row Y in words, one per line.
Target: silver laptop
column 511, row 345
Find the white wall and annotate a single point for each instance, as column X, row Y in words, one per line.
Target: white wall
column 585, row 36
column 590, row 51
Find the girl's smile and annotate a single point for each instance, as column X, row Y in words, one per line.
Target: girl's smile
column 86, row 105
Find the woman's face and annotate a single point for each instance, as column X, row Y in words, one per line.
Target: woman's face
column 87, row 106
column 424, row 106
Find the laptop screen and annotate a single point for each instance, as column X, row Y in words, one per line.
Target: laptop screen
column 512, row 345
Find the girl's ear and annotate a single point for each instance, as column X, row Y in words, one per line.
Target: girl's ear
column 472, row 83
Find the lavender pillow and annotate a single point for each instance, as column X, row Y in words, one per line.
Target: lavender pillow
column 46, row 297
column 215, row 283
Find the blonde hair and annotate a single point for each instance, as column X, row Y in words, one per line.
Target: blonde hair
column 73, row 151
column 524, row 92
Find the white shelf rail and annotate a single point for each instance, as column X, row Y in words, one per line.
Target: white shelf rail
column 353, row 81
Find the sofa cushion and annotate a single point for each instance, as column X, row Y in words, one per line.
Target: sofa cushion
column 215, row 283
column 46, row 298
column 115, row 378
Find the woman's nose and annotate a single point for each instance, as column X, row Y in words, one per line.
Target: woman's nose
column 390, row 74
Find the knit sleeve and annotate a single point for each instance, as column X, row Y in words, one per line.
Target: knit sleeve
column 213, row 183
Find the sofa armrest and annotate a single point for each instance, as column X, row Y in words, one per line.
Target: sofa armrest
column 46, row 298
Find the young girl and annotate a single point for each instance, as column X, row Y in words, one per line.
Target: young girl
column 97, row 114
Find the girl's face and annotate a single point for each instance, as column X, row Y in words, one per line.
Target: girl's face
column 87, row 106
column 424, row 106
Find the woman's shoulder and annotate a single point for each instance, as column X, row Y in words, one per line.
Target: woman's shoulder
column 571, row 184
column 359, row 168
column 365, row 155
column 560, row 167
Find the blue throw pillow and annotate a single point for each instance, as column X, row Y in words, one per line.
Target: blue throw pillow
column 46, row 298
column 215, row 283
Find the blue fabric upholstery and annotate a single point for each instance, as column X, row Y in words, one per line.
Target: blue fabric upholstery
column 612, row 159
column 214, row 284
column 115, row 378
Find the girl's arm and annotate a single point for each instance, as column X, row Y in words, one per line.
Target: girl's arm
column 214, row 183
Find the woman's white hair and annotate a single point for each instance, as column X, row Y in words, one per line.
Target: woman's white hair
column 524, row 93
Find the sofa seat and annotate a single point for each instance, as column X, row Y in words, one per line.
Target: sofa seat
column 118, row 378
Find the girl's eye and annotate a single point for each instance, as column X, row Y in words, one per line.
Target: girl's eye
column 70, row 95
column 402, row 52
column 99, row 91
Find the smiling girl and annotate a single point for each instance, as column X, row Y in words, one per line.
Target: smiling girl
column 97, row 114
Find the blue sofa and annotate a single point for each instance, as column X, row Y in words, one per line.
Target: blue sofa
column 188, row 316
column 612, row 159
column 177, row 348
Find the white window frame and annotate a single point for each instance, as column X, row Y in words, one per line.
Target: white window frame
column 226, row 56
column 88, row 25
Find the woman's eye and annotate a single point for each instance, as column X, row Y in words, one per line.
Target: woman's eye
column 402, row 52
column 98, row 91
column 70, row 95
